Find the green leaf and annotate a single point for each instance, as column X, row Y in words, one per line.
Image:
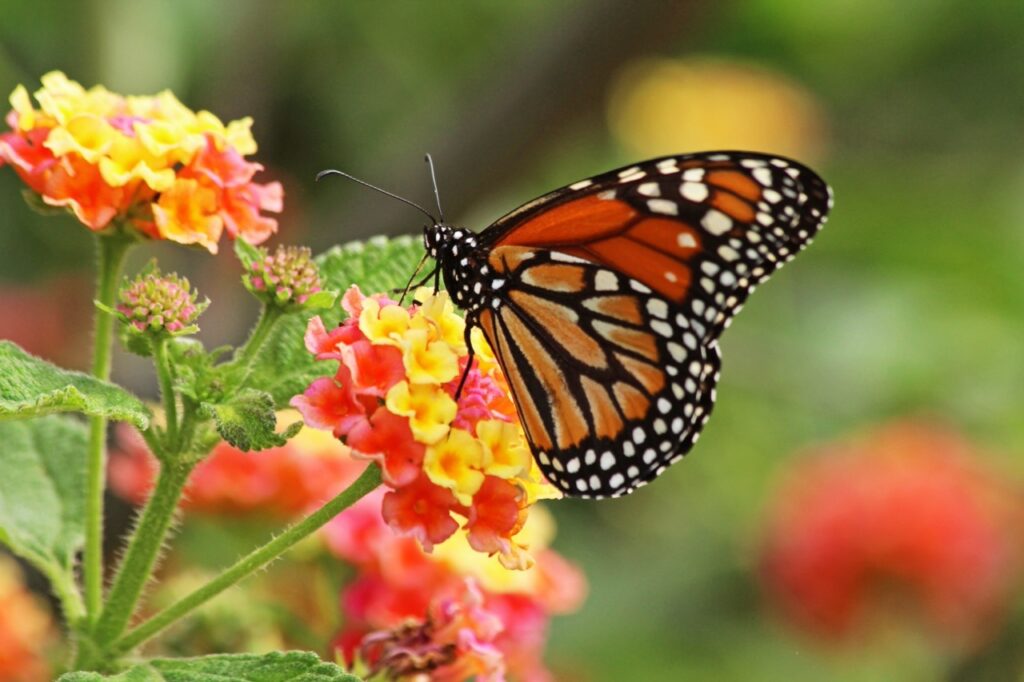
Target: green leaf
column 293, row 666
column 284, row 367
column 247, row 420
column 30, row 387
column 42, row 503
column 321, row 299
column 247, row 253
column 36, row 203
column 378, row 265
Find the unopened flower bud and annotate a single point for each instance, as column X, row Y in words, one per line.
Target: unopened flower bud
column 154, row 302
column 286, row 278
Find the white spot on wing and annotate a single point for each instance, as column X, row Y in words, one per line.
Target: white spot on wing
column 763, row 175
column 694, row 191
column 649, row 189
column 686, row 240
column 565, row 258
column 605, row 280
column 716, row 222
column 663, row 206
column 639, row 286
column 657, row 307
column 581, row 184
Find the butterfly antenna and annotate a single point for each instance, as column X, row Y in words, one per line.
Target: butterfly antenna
column 331, row 171
column 433, row 179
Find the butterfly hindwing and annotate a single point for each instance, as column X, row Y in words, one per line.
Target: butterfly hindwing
column 607, row 392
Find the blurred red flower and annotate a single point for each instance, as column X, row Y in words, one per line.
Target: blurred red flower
column 286, row 481
column 451, row 614
column 906, row 515
column 41, row 317
column 26, row 629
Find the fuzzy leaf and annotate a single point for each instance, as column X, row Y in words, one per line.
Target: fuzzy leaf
column 321, row 299
column 42, row 508
column 292, row 666
column 247, row 419
column 30, row 387
column 284, row 367
column 246, row 253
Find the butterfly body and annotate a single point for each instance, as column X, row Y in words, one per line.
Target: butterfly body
column 603, row 302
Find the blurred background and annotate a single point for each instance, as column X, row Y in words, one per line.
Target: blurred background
column 851, row 510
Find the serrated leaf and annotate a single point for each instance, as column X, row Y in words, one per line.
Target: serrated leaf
column 284, row 367
column 30, row 386
column 292, row 666
column 247, row 420
column 42, row 484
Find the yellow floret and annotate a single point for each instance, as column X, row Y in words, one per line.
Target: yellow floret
column 429, row 409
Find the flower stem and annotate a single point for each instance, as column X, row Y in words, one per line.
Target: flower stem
column 143, row 549
column 252, row 562
column 111, row 252
column 247, row 353
column 166, row 380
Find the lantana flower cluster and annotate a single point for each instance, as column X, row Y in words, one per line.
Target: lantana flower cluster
column 452, row 614
column 150, row 161
column 906, row 511
column 392, row 400
column 284, row 481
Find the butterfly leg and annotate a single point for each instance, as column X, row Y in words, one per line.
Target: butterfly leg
column 410, row 286
column 468, row 336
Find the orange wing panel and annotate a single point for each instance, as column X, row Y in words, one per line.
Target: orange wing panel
column 664, row 274
column 733, row 206
column 673, row 237
column 580, row 220
column 735, row 182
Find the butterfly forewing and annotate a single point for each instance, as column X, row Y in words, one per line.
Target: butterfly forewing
column 702, row 230
column 603, row 302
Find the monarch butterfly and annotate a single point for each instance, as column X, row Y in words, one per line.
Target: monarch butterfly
column 603, row 301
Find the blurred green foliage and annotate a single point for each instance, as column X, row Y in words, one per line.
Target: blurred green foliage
column 910, row 304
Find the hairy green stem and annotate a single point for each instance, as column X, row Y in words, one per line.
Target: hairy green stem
column 251, row 563
column 66, row 591
column 165, row 378
column 137, row 567
column 247, row 353
column 111, row 253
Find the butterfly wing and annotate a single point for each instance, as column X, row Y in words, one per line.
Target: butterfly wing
column 701, row 230
column 613, row 292
column 607, row 393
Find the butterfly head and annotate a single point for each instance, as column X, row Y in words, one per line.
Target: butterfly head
column 435, row 237
column 454, row 250
column 447, row 244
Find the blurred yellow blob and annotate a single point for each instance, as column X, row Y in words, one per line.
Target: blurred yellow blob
column 669, row 106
